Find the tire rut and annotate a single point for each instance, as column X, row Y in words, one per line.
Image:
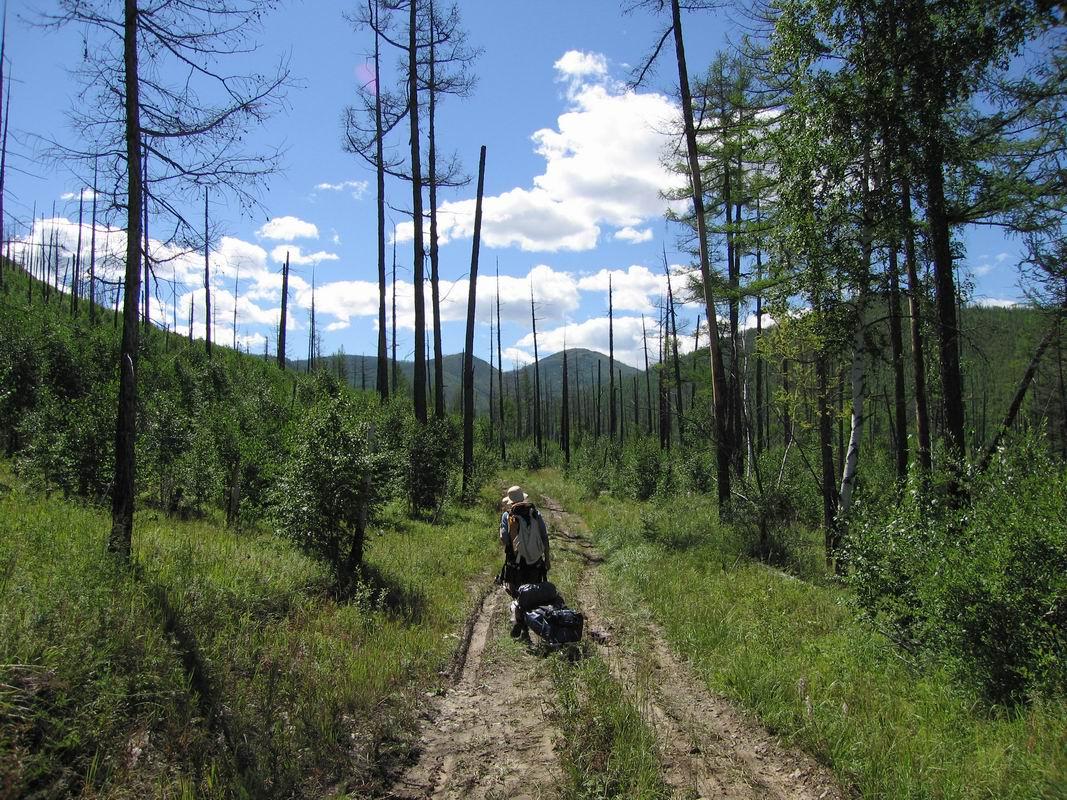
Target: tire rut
column 707, row 747
column 491, row 733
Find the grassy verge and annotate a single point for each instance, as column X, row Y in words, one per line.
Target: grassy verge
column 796, row 655
column 609, row 750
column 221, row 666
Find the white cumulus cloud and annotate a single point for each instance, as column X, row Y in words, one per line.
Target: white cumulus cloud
column 603, row 167
column 286, row 229
column 633, row 289
column 633, row 235
column 355, row 188
column 296, row 256
column 579, row 64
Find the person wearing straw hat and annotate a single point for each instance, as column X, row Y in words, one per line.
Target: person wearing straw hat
column 524, row 537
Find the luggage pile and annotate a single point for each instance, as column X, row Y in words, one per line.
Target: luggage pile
column 547, row 615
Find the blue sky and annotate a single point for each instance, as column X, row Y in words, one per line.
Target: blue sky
column 572, row 180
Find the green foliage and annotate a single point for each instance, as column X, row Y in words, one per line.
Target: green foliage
column 594, row 464
column 525, row 455
column 795, row 654
column 433, row 451
column 56, row 401
column 643, row 465
column 610, row 752
column 985, row 585
column 220, row 667
column 698, row 469
column 330, row 486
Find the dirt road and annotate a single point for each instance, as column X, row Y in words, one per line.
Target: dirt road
column 491, row 734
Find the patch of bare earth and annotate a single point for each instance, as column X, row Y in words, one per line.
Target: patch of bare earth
column 489, row 735
column 707, row 747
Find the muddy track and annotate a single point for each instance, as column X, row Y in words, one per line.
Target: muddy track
column 707, row 748
column 490, row 734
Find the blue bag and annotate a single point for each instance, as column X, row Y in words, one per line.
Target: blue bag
column 556, row 625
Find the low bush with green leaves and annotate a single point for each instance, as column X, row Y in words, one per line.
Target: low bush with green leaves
column 984, row 583
column 331, row 485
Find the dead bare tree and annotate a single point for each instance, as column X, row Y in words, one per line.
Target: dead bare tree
column 611, row 364
column 282, row 319
column 468, row 352
column 192, row 128
column 366, row 126
column 446, row 72
column 723, row 445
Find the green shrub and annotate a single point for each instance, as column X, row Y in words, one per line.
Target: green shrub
column 525, row 455
column 432, row 455
column 331, row 485
column 643, row 468
column 698, row 468
column 985, row 585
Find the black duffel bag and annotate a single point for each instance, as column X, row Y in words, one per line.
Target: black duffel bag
column 532, row 595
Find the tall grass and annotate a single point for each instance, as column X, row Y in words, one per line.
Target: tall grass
column 798, row 655
column 221, row 666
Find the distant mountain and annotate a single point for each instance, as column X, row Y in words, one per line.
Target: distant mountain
column 581, row 367
column 361, row 371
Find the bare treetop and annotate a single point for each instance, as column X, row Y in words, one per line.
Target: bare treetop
column 194, row 109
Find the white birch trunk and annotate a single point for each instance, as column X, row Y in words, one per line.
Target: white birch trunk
column 859, row 390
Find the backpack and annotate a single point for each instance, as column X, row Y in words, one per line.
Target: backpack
column 524, row 532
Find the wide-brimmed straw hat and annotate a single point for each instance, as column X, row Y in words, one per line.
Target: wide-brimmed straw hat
column 515, row 495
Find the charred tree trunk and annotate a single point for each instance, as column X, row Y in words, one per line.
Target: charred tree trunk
column 283, row 320
column 948, row 335
column 207, row 282
column 146, row 315
column 599, row 396
column 6, row 88
column 395, row 376
column 648, row 377
column 492, row 391
column 468, row 353
column 537, row 379
column 435, row 292
column 500, row 372
column 382, row 374
column 723, row 446
column 672, row 322
column 564, row 418
column 92, row 257
column 420, row 376
column 124, row 486
column 612, row 424
column 76, row 281
column 236, row 290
